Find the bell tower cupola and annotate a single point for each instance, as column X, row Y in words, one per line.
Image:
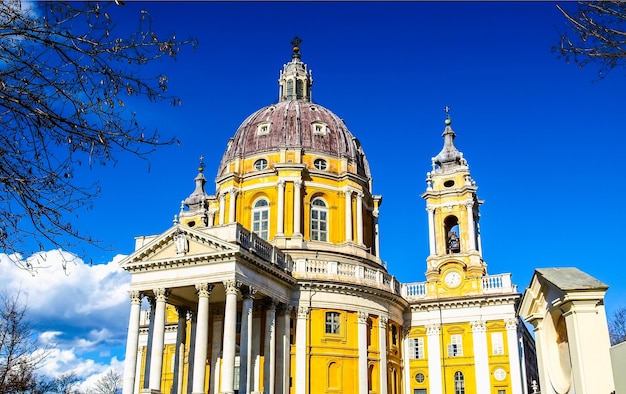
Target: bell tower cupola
column 295, row 79
column 453, row 214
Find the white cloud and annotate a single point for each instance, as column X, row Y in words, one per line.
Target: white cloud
column 81, row 312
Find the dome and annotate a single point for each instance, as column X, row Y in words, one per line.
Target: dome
column 295, row 124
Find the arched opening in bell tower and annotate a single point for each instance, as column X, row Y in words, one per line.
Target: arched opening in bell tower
column 453, row 241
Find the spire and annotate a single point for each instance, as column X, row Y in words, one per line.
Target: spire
column 449, row 155
column 196, row 202
column 295, row 79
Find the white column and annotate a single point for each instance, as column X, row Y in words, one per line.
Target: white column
column 179, row 359
column 382, row 344
column 301, row 341
column 280, row 219
column 362, row 341
column 297, row 207
column 431, row 231
column 471, row 229
column 406, row 367
column 481, row 356
column 202, row 337
column 233, row 204
column 222, row 198
column 269, row 367
column 216, row 349
column 376, row 235
column 245, row 348
column 348, row 194
column 517, row 384
column 158, row 339
column 256, row 350
column 132, row 342
column 282, row 357
column 230, row 333
column 434, row 359
column 359, row 218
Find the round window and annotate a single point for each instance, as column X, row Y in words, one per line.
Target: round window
column 260, row 164
column 419, row 378
column 499, row 374
column 320, row 164
column 449, row 183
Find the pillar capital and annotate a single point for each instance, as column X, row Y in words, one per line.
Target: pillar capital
column 433, row 329
column 270, row 304
column 511, row 324
column 382, row 322
column 362, row 317
column 303, row 311
column 478, row 326
column 204, row 289
column 248, row 292
column 281, row 183
column 298, row 183
column 135, row 296
column 231, row 286
column 161, row 294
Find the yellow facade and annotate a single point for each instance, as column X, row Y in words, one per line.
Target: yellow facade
column 283, row 264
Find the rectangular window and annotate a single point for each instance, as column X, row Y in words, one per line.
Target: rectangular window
column 455, row 347
column 501, row 391
column 497, row 344
column 417, row 348
column 332, row 322
column 419, row 391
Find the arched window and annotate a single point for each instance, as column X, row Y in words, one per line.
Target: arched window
column 319, row 220
column 453, row 241
column 459, row 383
column 261, row 218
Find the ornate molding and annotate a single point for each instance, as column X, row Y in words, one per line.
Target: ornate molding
column 135, row 296
column 362, row 317
column 270, row 304
column 161, row 294
column 478, row 326
column 511, row 324
column 382, row 322
column 231, row 286
column 433, row 329
column 303, row 311
column 204, row 290
column 248, row 293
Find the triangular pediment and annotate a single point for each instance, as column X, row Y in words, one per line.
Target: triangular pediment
column 178, row 243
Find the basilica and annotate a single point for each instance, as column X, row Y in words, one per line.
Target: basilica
column 275, row 284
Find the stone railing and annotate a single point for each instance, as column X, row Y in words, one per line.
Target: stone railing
column 260, row 247
column 345, row 272
column 491, row 284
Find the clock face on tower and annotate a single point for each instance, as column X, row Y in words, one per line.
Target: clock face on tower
column 452, row 279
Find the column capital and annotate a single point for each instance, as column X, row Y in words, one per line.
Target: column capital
column 433, row 329
column 135, row 296
column 298, row 183
column 303, row 311
column 181, row 310
column 511, row 324
column 284, row 309
column 270, row 304
column 362, row 317
column 430, row 209
column 222, row 196
column 347, row 192
column 233, row 190
column 478, row 326
column 248, row 292
column 360, row 194
column 231, row 286
column 382, row 321
column 469, row 205
column 161, row 294
column 375, row 213
column 204, row 289
column 281, row 183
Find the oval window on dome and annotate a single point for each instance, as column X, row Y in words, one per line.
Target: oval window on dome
column 260, row 164
column 320, row 164
column 449, row 183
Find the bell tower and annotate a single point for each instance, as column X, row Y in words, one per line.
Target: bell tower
column 455, row 259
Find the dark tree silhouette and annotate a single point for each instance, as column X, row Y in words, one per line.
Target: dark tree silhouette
column 65, row 77
column 617, row 326
column 596, row 33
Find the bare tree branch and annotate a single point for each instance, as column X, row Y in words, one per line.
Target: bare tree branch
column 65, row 77
column 596, row 33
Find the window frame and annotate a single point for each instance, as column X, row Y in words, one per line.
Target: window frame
column 417, row 348
column 260, row 164
column 320, row 164
column 260, row 210
column 332, row 326
column 497, row 344
column 459, row 383
column 318, row 234
column 455, row 347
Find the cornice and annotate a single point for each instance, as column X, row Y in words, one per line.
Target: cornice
column 351, row 289
column 465, row 302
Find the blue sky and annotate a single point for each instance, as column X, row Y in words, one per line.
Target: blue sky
column 544, row 139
